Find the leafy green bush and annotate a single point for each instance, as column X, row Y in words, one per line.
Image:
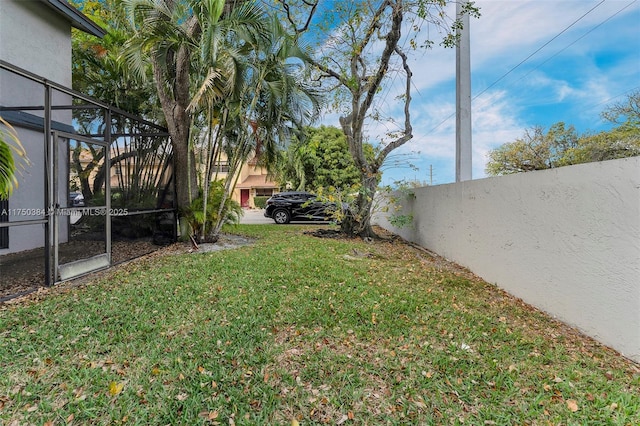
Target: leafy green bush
column 260, row 201
column 231, row 212
column 387, row 201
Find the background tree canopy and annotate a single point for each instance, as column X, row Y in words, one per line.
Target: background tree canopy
column 363, row 49
column 322, row 160
column 561, row 145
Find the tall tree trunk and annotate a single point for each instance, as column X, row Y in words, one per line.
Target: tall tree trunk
column 174, row 106
column 363, row 79
column 184, row 170
column 358, row 221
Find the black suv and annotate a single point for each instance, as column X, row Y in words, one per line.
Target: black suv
column 287, row 206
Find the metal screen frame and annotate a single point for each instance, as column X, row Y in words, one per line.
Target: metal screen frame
column 43, row 111
column 79, row 267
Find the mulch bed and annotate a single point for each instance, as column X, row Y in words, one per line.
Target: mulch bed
column 23, row 272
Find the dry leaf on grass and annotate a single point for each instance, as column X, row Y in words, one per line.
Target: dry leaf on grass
column 115, row 388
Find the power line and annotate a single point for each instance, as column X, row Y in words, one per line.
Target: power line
column 563, row 49
column 538, row 50
column 613, row 97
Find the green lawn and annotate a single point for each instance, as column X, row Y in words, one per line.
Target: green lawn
column 298, row 329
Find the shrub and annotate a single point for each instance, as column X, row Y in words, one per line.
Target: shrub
column 260, row 201
column 231, row 213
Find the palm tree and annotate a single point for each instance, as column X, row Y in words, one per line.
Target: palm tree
column 234, row 68
column 252, row 97
column 10, row 147
column 168, row 35
column 99, row 68
column 223, row 59
column 271, row 103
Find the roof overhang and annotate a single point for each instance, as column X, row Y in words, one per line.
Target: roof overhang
column 78, row 19
column 256, row 181
column 33, row 122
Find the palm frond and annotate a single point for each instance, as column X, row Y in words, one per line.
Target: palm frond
column 211, row 90
column 10, row 148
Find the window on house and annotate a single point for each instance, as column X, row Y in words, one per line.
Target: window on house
column 222, row 167
column 264, row 192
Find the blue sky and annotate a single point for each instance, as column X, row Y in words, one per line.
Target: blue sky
column 585, row 55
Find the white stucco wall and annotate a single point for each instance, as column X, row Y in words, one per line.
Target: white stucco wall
column 27, row 200
column 565, row 240
column 34, row 38
column 37, row 39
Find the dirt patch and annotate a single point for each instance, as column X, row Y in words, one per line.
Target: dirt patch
column 426, row 257
column 326, row 233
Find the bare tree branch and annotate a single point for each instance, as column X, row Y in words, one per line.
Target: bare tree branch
column 408, row 129
column 355, row 61
column 392, row 39
column 299, row 30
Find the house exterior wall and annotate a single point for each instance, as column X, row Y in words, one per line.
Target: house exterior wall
column 34, row 38
column 565, row 240
column 253, row 178
column 38, row 40
column 27, row 200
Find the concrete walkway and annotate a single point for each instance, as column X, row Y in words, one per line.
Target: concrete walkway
column 255, row 217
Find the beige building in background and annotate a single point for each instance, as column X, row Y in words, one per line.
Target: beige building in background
column 253, row 182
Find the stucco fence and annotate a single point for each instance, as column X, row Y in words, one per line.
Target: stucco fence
column 566, row 241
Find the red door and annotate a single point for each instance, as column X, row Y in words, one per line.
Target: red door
column 244, row 198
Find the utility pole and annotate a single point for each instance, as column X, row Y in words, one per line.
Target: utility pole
column 463, row 99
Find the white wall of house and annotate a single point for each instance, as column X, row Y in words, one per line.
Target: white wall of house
column 36, row 39
column 565, row 240
column 27, row 200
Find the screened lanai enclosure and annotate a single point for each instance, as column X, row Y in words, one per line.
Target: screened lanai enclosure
column 97, row 189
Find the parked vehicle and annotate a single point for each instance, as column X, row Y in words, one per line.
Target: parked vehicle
column 76, row 199
column 298, row 205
